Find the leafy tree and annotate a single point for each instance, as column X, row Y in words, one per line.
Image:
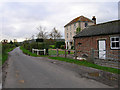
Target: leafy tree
column 78, row 30
column 55, row 34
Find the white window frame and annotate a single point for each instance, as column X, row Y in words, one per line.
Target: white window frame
column 74, row 25
column 70, row 27
column 67, row 35
column 114, row 42
column 71, row 34
column 67, row 28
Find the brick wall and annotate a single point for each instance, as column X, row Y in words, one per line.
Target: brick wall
column 92, row 42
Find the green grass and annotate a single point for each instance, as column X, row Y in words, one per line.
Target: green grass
column 54, row 52
column 52, row 46
column 30, row 53
column 88, row 64
column 5, row 55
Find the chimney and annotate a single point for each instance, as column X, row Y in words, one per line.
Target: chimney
column 94, row 20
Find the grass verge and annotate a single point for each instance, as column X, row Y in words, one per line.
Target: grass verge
column 88, row 64
column 5, row 55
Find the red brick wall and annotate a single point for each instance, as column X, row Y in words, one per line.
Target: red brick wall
column 92, row 42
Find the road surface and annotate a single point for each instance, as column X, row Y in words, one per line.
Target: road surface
column 36, row 72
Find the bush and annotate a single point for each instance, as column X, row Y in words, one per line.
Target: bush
column 35, row 45
column 58, row 44
column 52, row 46
column 62, row 47
column 72, row 47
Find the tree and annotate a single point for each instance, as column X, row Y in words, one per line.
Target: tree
column 78, row 30
column 11, row 42
column 55, row 34
column 42, row 33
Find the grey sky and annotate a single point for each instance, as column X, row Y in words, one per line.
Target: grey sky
column 19, row 20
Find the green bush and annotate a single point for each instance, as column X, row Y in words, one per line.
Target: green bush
column 62, row 47
column 58, row 44
column 72, row 47
column 35, row 45
column 52, row 46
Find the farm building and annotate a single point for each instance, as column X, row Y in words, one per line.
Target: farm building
column 100, row 40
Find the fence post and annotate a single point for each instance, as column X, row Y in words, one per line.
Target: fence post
column 75, row 54
column 57, row 52
column 32, row 51
column 92, row 55
column 44, row 51
column 37, row 52
column 65, row 53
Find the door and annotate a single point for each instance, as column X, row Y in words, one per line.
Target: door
column 102, row 49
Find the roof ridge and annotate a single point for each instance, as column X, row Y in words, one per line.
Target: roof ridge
column 105, row 23
column 100, row 29
column 77, row 19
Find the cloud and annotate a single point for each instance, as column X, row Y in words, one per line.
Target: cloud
column 20, row 19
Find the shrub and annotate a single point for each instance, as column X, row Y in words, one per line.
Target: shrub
column 58, row 44
column 72, row 47
column 62, row 47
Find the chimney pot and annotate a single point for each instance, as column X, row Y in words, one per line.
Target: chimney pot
column 94, row 19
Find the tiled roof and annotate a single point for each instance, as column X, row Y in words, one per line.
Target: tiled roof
column 107, row 28
column 80, row 18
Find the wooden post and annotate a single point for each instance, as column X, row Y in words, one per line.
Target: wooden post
column 37, row 52
column 44, row 51
column 57, row 52
column 65, row 53
column 75, row 54
column 32, row 50
column 92, row 55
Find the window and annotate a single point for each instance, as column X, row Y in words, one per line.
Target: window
column 70, row 34
column 67, row 28
column 74, row 32
column 86, row 24
column 67, row 35
column 70, row 27
column 115, row 42
column 74, row 25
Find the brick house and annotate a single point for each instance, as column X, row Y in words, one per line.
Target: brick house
column 103, row 38
column 70, row 28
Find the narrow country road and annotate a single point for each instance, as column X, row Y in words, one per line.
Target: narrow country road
column 36, row 72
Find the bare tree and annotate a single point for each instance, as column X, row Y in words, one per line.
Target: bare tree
column 55, row 34
column 42, row 33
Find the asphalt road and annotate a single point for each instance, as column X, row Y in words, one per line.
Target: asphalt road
column 36, row 72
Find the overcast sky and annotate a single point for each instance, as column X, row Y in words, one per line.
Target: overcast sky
column 19, row 20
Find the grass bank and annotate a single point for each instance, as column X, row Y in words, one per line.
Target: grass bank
column 5, row 55
column 88, row 64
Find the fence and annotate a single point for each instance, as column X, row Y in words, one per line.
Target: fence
column 62, row 53
column 101, row 57
column 38, row 51
column 104, row 58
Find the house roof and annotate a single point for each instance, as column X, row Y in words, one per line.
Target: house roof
column 80, row 18
column 106, row 28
